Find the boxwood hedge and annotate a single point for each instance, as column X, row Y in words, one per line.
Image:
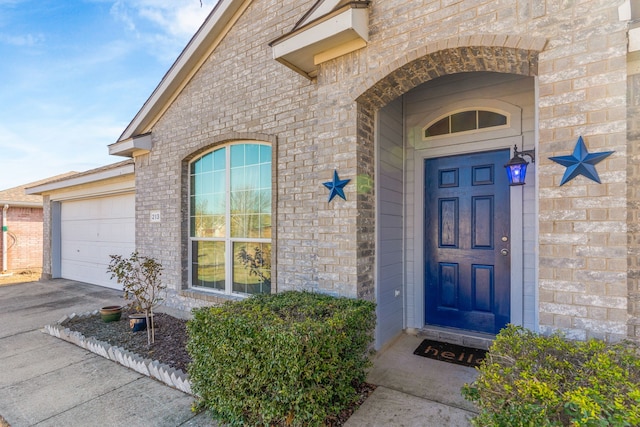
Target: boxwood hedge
column 529, row 379
column 291, row 358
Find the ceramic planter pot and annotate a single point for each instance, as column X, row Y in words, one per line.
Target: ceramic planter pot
column 111, row 313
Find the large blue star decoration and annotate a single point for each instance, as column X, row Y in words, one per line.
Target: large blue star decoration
column 336, row 187
column 581, row 162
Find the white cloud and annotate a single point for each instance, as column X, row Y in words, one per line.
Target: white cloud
column 182, row 21
column 161, row 28
column 175, row 18
column 22, row 40
column 120, row 12
column 56, row 146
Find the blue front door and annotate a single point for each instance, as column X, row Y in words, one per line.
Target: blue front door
column 467, row 242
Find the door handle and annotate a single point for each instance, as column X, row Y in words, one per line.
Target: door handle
column 504, row 252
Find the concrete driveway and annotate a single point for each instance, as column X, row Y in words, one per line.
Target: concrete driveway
column 45, row 381
column 48, row 382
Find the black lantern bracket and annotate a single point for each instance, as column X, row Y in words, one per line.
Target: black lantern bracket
column 530, row 153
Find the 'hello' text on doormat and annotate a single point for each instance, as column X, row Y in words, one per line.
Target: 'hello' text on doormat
column 451, row 353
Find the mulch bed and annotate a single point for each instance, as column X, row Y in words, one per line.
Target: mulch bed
column 170, row 347
column 170, row 337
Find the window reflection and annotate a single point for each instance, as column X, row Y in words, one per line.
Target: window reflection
column 252, row 268
column 208, row 265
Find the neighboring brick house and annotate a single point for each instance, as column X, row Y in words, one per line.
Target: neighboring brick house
column 419, row 106
column 21, row 219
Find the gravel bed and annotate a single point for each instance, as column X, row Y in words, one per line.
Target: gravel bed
column 170, row 337
column 170, row 347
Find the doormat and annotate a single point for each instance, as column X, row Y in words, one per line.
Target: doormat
column 451, row 353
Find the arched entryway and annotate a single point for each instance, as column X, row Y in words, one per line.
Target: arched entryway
column 392, row 117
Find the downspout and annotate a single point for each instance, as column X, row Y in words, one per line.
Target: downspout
column 4, row 237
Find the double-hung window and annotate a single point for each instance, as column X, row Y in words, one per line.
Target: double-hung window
column 230, row 219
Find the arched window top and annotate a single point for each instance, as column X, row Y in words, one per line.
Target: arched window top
column 465, row 121
column 245, row 153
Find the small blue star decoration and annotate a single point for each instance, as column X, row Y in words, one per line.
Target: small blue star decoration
column 336, row 187
column 581, row 162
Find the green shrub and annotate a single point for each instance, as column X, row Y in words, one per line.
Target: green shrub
column 291, row 358
column 529, row 379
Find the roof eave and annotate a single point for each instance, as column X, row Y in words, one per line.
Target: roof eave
column 17, row 204
column 132, row 147
column 126, row 169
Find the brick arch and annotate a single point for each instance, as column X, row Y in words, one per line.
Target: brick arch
column 191, row 153
column 402, row 75
column 503, row 54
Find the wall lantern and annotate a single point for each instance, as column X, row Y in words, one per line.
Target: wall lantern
column 517, row 166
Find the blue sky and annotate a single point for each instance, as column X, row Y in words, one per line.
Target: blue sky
column 73, row 74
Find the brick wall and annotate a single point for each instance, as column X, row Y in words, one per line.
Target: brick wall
column 577, row 50
column 582, row 87
column 24, row 239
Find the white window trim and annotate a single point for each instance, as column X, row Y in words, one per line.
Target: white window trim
column 476, row 130
column 512, row 128
column 228, row 240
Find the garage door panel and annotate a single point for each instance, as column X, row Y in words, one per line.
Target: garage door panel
column 91, row 231
column 88, row 273
column 104, row 252
column 116, row 230
column 96, row 253
column 113, row 210
column 76, row 230
column 106, row 208
column 107, row 230
column 80, row 251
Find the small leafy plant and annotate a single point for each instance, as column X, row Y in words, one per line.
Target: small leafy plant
column 257, row 263
column 291, row 358
column 140, row 280
column 529, row 379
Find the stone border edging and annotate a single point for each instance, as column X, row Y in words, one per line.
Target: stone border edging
column 152, row 368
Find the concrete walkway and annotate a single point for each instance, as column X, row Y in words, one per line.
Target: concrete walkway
column 414, row 391
column 48, row 382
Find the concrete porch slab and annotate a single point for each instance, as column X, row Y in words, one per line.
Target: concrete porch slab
column 414, row 390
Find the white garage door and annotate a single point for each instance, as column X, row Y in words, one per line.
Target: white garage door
column 91, row 230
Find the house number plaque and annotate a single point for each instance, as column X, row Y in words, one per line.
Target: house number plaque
column 154, row 216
